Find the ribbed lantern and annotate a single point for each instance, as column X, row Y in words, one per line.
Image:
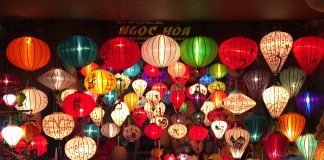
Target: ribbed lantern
column 131, row 99
column 67, row 92
column 58, row 125
column 78, row 104
column 153, row 96
column 275, row 99
column 308, row 102
column 198, row 99
column 160, row 51
column 97, row 115
column 219, row 127
column 30, row 131
column 216, row 85
column 85, row 70
column 198, row 133
column 177, row 98
column 139, row 86
column 133, row 70
column 275, row 145
column 306, row 145
column 177, row 70
column 275, row 48
column 237, row 139
column 12, row 134
column 256, row 81
column 79, row 148
column 39, row 143
column 110, row 130
column 36, row 101
column 120, row 113
column 319, row 152
column 119, row 53
column 100, row 82
column 139, row 116
column 238, row 52
column 9, row 99
column 110, row 98
column 238, row 103
column 28, row 53
column 177, row 130
column 153, row 131
column 56, row 79
column 122, row 83
column 90, row 130
column 292, row 79
column 217, row 98
column 292, row 125
column 308, row 52
column 9, row 82
column 161, row 87
column 256, row 125
column 218, row 70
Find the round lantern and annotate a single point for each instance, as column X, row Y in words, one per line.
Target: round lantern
column 177, row 130
column 110, row 130
column 256, row 125
column 139, row 87
column 120, row 113
column 78, row 104
column 9, row 99
column 177, row 98
column 119, row 153
column 218, row 70
column 9, row 82
column 216, row 85
column 67, row 92
column 39, row 144
column 275, row 145
column 80, row 148
column 28, row 53
column 216, row 114
column 122, row 83
column 139, row 116
column 160, row 51
column 177, row 70
column 198, row 133
column 30, row 131
column 132, row 133
column 100, row 82
column 319, row 152
column 308, row 102
column 275, row 99
column 132, row 71
column 198, row 51
column 206, row 79
column 237, row 53
column 153, row 131
column 85, row 70
column 306, row 145
column 12, row 134
column 275, row 48
column 219, row 127
column 198, row 99
column 256, row 81
column 292, row 79
column 77, row 50
column 58, row 125
column 97, row 115
column 90, row 130
column 110, row 98
column 36, row 101
column 152, row 71
column 308, row 52
column 292, row 125
column 119, row 53
column 131, row 99
column 217, row 98
column 237, row 139
column 238, row 103
column 56, row 79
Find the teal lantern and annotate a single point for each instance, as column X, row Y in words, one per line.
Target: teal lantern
column 256, row 125
column 90, row 130
column 293, row 157
column 77, row 50
column 218, row 70
column 306, row 144
column 292, row 79
column 166, row 99
column 132, row 71
column 198, row 51
column 110, row 98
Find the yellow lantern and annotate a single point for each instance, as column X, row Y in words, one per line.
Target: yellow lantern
column 275, row 99
column 177, row 70
column 12, row 134
column 80, row 148
column 97, row 115
column 120, row 113
column 100, row 82
column 67, row 92
column 238, row 103
column 139, row 86
column 216, row 85
column 58, row 125
column 36, row 101
column 292, row 125
column 110, row 130
column 177, row 130
column 131, row 99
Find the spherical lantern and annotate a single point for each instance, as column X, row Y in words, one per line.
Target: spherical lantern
column 218, row 70
column 110, row 98
column 80, row 148
column 215, row 115
column 39, row 144
column 78, row 104
column 12, row 134
column 256, row 81
column 120, row 113
column 308, row 52
column 237, row 139
column 177, row 98
column 36, row 101
column 90, row 130
column 132, row 71
column 292, row 79
column 206, row 79
column 177, row 70
column 292, row 125
column 77, row 50
column 256, row 125
column 198, row 99
column 56, row 79
column 198, row 133
column 319, row 152
column 219, row 127
column 132, row 133
column 198, row 51
column 217, row 98
column 160, row 51
column 9, row 82
column 28, row 53
column 238, row 103
column 85, row 70
column 67, row 92
column 275, row 99
column 9, row 99
column 30, row 131
column 58, row 125
column 275, row 145
column 97, row 115
column 139, row 87
column 275, row 48
column 238, row 52
column 216, row 85
column 119, row 53
column 153, row 131
column 306, row 145
column 152, row 71
column 177, row 130
column 100, row 82
column 308, row 102
column 139, row 116
column 110, row 130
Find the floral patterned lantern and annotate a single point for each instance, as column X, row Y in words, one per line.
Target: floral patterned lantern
column 238, row 103
column 153, row 131
column 80, row 148
column 177, row 130
column 132, row 133
column 275, row 145
column 100, row 82
column 36, row 101
column 58, row 125
column 256, row 81
column 154, row 110
column 198, row 133
column 306, row 145
column 85, row 70
column 56, row 79
column 97, row 115
column 292, row 125
column 110, row 130
column 12, row 134
column 78, row 104
column 292, row 79
column 275, row 99
column 238, row 139
column 153, row 96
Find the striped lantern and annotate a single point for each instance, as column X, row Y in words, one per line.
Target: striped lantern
column 306, row 144
column 218, row 70
column 177, row 70
column 292, row 125
column 110, row 130
column 100, row 82
column 292, row 79
column 131, row 99
column 256, row 81
column 58, row 125
column 275, row 145
column 36, row 101
column 12, row 134
column 133, row 70
column 79, row 148
column 56, row 79
column 85, row 70
column 275, row 98
column 120, row 113
column 237, row 139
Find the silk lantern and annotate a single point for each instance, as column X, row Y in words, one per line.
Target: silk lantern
column 97, row 115
column 39, row 144
column 177, row 70
column 120, row 113
column 275, row 145
column 67, row 92
column 28, row 53
column 152, row 71
column 56, row 79
column 78, row 104
column 217, row 98
column 132, row 133
column 58, row 125
column 119, row 53
column 292, row 125
column 256, row 81
column 177, row 98
column 198, row 88
column 30, row 131
column 219, row 127
column 177, row 130
column 131, row 99
column 139, row 116
column 160, row 51
column 122, row 83
column 153, row 96
column 308, row 102
column 161, row 87
column 153, row 131
column 319, row 152
column 198, row 133
column 198, row 99
column 133, row 70
column 306, row 144
column 9, row 82
column 216, row 85
column 110, row 98
column 218, row 70
column 85, row 70
column 9, row 99
column 275, row 99
column 256, row 125
column 35, row 101
column 110, row 130
column 237, row 139
column 206, row 79
column 139, row 87
column 12, row 134
column 238, row 103
column 216, row 114
column 292, row 79
column 100, row 82
column 308, row 52
column 183, row 79
column 77, row 50
column 80, row 148
column 238, row 52
column 90, row 130
column 275, row 48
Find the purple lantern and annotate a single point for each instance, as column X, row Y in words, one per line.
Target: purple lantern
column 178, row 118
column 150, row 80
column 308, row 102
column 256, row 81
column 9, row 82
column 198, row 99
column 107, row 68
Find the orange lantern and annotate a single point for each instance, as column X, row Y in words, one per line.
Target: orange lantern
column 292, row 125
column 177, row 70
column 131, row 99
column 217, row 98
column 89, row 68
column 30, row 131
column 319, row 152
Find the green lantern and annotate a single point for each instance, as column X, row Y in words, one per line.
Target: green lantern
column 218, row 70
column 198, row 51
column 256, row 125
column 306, row 144
column 77, row 50
column 292, row 79
column 183, row 108
column 90, row 130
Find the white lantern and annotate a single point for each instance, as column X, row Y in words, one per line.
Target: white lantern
column 177, row 130
column 219, row 127
column 120, row 113
column 9, row 99
column 206, row 108
column 154, row 110
column 275, row 99
column 36, row 101
column 177, row 70
column 56, row 79
column 139, row 86
column 110, row 130
column 198, row 88
column 80, row 148
column 238, row 103
column 153, row 96
column 12, row 134
column 238, row 139
column 160, row 121
column 67, row 92
column 58, row 125
column 97, row 115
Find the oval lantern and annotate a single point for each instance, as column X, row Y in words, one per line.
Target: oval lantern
column 97, row 115
column 206, row 79
column 218, row 70
column 120, row 113
column 237, row 139
column 12, row 134
column 153, row 131
column 119, row 53
column 110, row 130
column 198, row 133
column 131, row 99
column 319, row 152
column 139, row 86
column 90, row 130
column 177, row 98
column 292, row 125
column 292, row 79
column 275, row 145
column 216, row 85
column 219, row 127
column 28, row 53
column 308, row 102
column 256, row 125
column 58, row 125
column 100, row 82
column 132, row 71
column 77, row 50
column 39, row 144
column 177, row 70
column 177, row 130
column 35, row 101
column 160, row 51
column 139, row 116
column 275, row 98
column 80, row 148
column 56, row 79
column 256, row 81
column 306, row 144
column 30, row 131
column 217, row 98
column 132, row 133
column 238, row 103
column 85, row 70
column 78, row 104
column 9, row 82
column 110, row 98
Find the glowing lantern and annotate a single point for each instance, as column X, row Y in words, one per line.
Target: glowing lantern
column 131, row 99
column 177, row 98
column 177, row 130
column 292, row 125
column 110, row 98
column 100, row 82
column 197, row 88
column 198, row 51
column 198, row 117
column 160, row 51
column 30, row 131
column 306, row 145
column 154, row 110
column 77, row 50
column 122, row 82
column 218, row 70
column 97, row 115
column 153, row 96
column 132, row 133
column 292, row 79
column 9, row 99
column 139, row 116
column 319, row 152
column 9, row 82
column 217, row 98
column 206, row 79
column 139, row 87
column 80, row 148
column 183, row 108
column 216, row 85
column 67, row 92
column 275, row 99
column 85, row 70
column 170, row 156
column 275, row 48
column 183, row 79
column 215, row 115
column 160, row 121
column 238, row 103
column 20, row 98
column 177, row 70
column 308, row 102
column 110, row 130
column 219, row 127
column 238, row 139
column 153, row 131
column 198, row 133
column 256, row 125
column 132, row 71
column 256, row 81
column 78, row 104
column 161, row 87
column 39, row 143
column 120, row 113
column 151, row 71
column 308, row 52
column 207, row 107
column 198, row 99
column 58, row 125
column 275, row 145
column 56, row 79
column 93, row 95
column 36, row 101
column 28, row 53
column 90, row 130
column 12, row 134
column 238, row 52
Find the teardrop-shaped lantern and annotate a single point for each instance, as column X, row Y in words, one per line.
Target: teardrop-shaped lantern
column 97, row 115
column 292, row 125
column 308, row 102
column 122, row 83
column 292, row 79
column 110, row 130
column 110, row 98
column 217, row 98
column 218, row 70
column 207, row 107
column 177, row 98
column 9, row 99
column 56, row 79
column 198, row 99
column 120, row 113
column 177, row 130
column 133, row 70
column 139, row 116
column 139, row 86
column 275, row 98
column 198, row 133
column 219, row 127
column 12, row 134
column 275, row 145
column 161, row 87
column 177, row 70
column 306, row 145
column 256, row 125
column 131, row 99
column 238, row 103
column 256, row 81
column 237, row 139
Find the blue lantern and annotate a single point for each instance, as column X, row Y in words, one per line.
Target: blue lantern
column 308, row 102
column 90, row 130
column 132, row 71
column 110, row 98
column 166, row 99
column 206, row 79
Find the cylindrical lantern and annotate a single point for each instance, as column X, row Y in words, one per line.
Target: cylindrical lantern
column 177, row 98
column 131, row 99
column 110, row 98
column 120, row 113
column 97, row 115
column 306, row 145
column 256, row 125
column 292, row 125
column 9, row 82
column 28, row 53
column 308, row 102
column 275, row 99
column 256, row 81
column 292, row 79
column 177, row 130
column 219, row 127
column 100, row 82
column 39, row 143
column 9, row 99
column 218, row 70
column 177, row 70
column 139, row 86
column 160, row 51
column 238, row 103
column 36, row 101
column 198, row 133
column 132, row 71
column 217, row 98
column 139, row 116
column 80, row 148
column 132, row 133
column 58, row 125
column 12, row 134
column 153, row 131
column 78, row 104
column 90, row 130
column 85, row 70
column 30, row 131
column 319, row 152
column 56, row 79
column 238, row 139
column 275, row 145
column 110, row 130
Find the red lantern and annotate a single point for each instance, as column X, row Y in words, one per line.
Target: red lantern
column 151, row 71
column 169, row 156
column 177, row 98
column 119, row 53
column 217, row 98
column 275, row 145
column 238, row 52
column 216, row 114
column 308, row 52
column 20, row 146
column 89, row 68
column 183, row 79
column 161, row 87
column 139, row 116
column 9, row 82
column 78, row 104
column 40, row 144
column 153, row 131
column 198, row 133
column 30, row 131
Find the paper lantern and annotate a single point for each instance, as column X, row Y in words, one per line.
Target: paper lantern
column 206, row 79
column 237, row 139
column 122, row 82
column 217, row 98
column 275, row 99
column 256, row 81
column 100, row 82
column 9, row 99
column 132, row 71
column 256, row 125
column 110, row 130
column 308, row 102
column 308, row 52
column 93, row 95
column 306, row 145
column 139, row 87
column 85, row 70
column 177, row 70
column 219, row 127
column 67, row 92
column 110, row 98
column 153, row 131
column 319, row 152
column 238, row 103
column 77, row 50
column 218, row 70
column 58, row 125
column 39, row 144
column 198, row 99
column 154, row 110
column 90, row 130
column 12, row 134
column 120, row 113
column 132, row 133
column 139, row 116
column 292, row 125
column 238, row 52
column 56, row 79
column 177, row 98
column 36, row 100
column 9, row 82
column 152, row 71
column 177, row 130
column 160, row 51
column 28, row 53
column 80, row 148
column 275, row 145
column 275, row 48
column 216, row 114
column 198, row 51
column 198, row 133
column 292, row 79
column 97, row 115
column 153, row 96
column 30, row 131
column 78, row 104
